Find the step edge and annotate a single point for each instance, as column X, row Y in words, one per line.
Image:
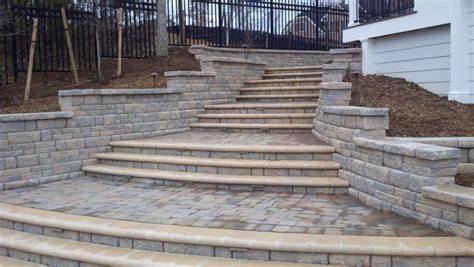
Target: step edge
column 292, row 242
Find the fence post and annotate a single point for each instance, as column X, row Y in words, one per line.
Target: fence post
column 161, row 34
column 272, row 24
column 220, row 21
column 119, row 46
column 353, row 12
column 11, row 9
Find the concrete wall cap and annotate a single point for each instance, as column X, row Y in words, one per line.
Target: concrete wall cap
column 345, row 51
column 193, row 49
column 35, row 116
column 412, row 149
column 84, row 92
column 460, row 142
column 354, row 111
column 190, row 73
column 451, row 193
column 335, row 86
column 335, row 66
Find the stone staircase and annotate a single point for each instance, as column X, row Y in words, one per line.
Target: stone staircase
column 212, row 156
column 283, row 101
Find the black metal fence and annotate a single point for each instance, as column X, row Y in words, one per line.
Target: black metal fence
column 85, row 18
column 373, row 10
column 273, row 24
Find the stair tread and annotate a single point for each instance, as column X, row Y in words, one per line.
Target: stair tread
column 257, row 115
column 286, row 80
column 218, row 178
column 276, row 88
column 113, row 256
column 220, row 162
column 254, row 125
column 278, row 96
column 226, row 147
column 292, row 74
column 265, row 105
column 295, row 68
column 6, row 261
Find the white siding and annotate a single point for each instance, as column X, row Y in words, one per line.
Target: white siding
column 471, row 46
column 421, row 56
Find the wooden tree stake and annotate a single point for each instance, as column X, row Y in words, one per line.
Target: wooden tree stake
column 31, row 59
column 119, row 50
column 69, row 46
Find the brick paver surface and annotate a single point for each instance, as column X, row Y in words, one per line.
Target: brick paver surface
column 257, row 211
column 237, row 138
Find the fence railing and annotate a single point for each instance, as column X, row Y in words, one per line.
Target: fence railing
column 374, row 10
column 271, row 24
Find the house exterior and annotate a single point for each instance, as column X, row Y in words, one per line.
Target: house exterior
column 427, row 42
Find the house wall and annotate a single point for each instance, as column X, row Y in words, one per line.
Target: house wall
column 421, row 56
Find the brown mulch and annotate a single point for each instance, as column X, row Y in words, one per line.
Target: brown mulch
column 414, row 111
column 135, row 74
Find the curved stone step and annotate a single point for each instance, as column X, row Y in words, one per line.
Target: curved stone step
column 279, row 90
column 219, row 179
column 292, row 75
column 82, row 252
column 254, row 127
column 257, row 105
column 316, row 68
column 12, row 262
column 281, row 246
column 280, row 152
column 257, row 118
column 278, row 98
column 217, row 162
column 277, row 82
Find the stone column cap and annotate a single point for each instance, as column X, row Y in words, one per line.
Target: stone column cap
column 335, row 86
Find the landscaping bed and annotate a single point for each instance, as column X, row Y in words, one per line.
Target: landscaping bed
column 135, row 74
column 414, row 111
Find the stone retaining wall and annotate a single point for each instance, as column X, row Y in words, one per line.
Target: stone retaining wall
column 351, row 57
column 43, row 147
column 412, row 179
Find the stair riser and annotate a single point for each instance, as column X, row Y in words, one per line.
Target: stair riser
column 279, row 100
column 259, row 110
column 295, row 83
column 42, row 259
column 231, row 187
column 225, row 155
column 219, row 120
column 294, row 71
column 292, row 76
column 238, row 130
column 280, row 92
column 223, row 170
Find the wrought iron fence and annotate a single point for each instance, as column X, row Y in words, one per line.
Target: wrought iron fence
column 374, row 10
column 273, row 24
column 85, row 18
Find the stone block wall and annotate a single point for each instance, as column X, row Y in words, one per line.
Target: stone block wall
column 44, row 147
column 350, row 57
column 397, row 176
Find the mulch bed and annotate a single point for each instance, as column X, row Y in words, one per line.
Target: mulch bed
column 414, row 111
column 135, row 74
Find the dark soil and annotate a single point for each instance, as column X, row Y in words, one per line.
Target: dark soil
column 414, row 111
column 135, row 74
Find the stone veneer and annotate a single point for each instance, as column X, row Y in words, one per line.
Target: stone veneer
column 413, row 179
column 44, row 147
column 350, row 57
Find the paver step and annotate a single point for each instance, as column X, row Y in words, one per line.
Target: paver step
column 219, row 179
column 217, row 162
column 12, row 262
column 280, row 88
column 254, row 127
column 81, row 252
column 256, row 118
column 277, row 82
column 264, row 105
column 293, row 75
column 278, row 98
column 317, row 68
column 278, row 152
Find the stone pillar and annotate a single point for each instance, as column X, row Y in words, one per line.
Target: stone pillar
column 334, row 72
column 161, row 31
column 334, row 94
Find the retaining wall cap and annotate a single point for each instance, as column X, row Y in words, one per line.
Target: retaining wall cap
column 458, row 142
column 335, row 86
column 230, row 60
column 83, row 92
column 451, row 193
column 412, row 149
column 354, row 111
column 193, row 50
column 345, row 51
column 35, row 116
column 335, row 66
column 190, row 73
